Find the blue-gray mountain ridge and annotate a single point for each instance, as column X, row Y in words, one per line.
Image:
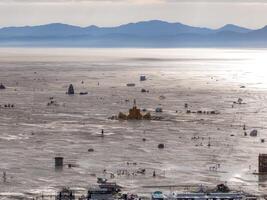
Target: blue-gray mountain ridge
column 153, row 33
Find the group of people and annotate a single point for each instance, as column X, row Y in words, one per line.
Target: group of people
column 215, row 168
column 128, row 173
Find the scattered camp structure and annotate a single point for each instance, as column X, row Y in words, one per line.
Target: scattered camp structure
column 158, row 109
column 59, row 162
column 130, row 84
column 83, row 93
column 70, row 90
column 2, row 87
column 240, row 100
column 65, row 194
column 144, row 91
column 253, row 133
column 262, row 163
column 142, row 78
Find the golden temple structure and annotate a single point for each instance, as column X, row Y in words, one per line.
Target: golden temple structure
column 134, row 114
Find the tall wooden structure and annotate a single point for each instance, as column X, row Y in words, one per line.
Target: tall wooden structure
column 263, row 163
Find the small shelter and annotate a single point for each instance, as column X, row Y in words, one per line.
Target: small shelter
column 2, row 87
column 253, row 133
column 142, row 78
column 70, row 90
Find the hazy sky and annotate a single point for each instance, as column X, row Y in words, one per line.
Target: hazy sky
column 209, row 13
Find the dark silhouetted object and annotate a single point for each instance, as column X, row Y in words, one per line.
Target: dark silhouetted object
column 142, row 78
column 2, row 87
column 263, row 163
column 83, row 93
column 154, row 173
column 59, row 162
column 65, row 194
column 71, row 90
column 222, row 188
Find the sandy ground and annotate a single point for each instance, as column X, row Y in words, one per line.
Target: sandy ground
column 32, row 133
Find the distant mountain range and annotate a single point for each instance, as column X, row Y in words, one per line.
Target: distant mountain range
column 153, row 33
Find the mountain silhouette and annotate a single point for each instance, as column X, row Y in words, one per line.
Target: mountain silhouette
column 154, row 33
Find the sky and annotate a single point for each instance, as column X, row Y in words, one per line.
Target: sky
column 203, row 13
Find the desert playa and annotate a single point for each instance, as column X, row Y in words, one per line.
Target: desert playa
column 208, row 103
